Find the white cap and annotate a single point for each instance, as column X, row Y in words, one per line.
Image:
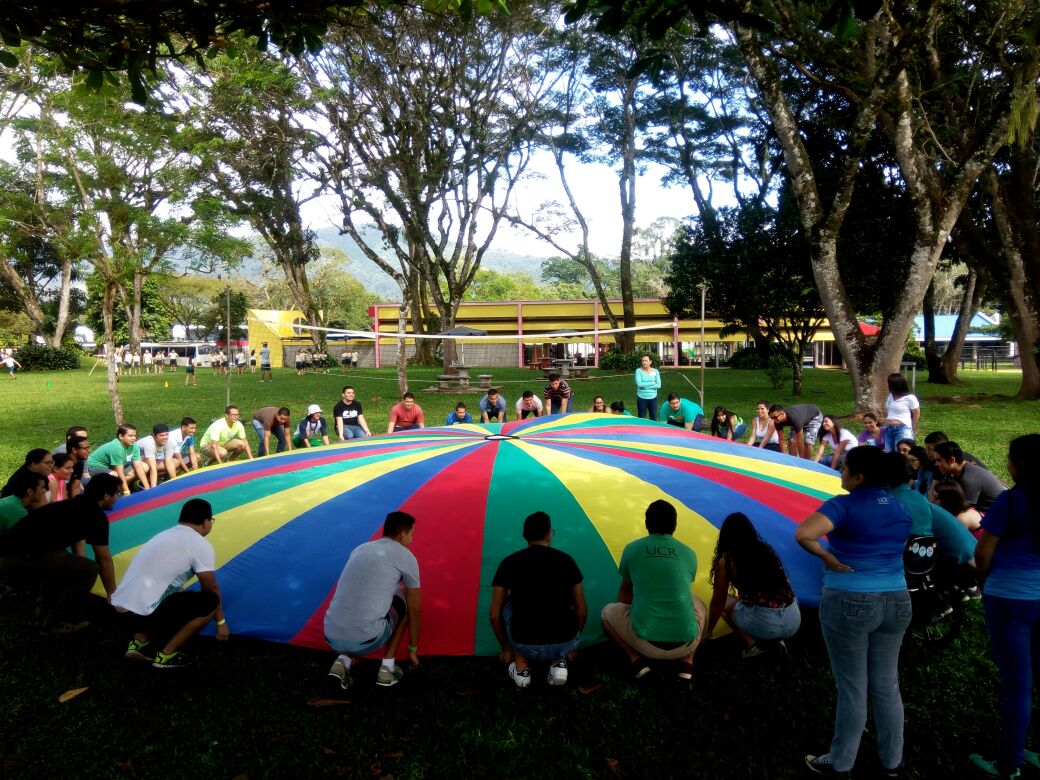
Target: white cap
column 313, row 409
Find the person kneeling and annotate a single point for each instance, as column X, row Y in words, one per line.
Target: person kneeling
column 164, row 564
column 656, row 616
column 538, row 605
column 367, row 611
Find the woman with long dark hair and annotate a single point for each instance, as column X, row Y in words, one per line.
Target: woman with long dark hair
column 839, row 439
column 902, row 412
column 950, row 496
column 727, row 425
column 1008, row 557
column 764, row 608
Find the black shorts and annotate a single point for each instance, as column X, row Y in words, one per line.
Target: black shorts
column 174, row 612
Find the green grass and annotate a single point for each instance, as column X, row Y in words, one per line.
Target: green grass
column 981, row 414
column 246, row 710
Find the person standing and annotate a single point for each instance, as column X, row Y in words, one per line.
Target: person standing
column 10, row 363
column 656, row 616
column 354, row 358
column 350, row 416
column 1008, row 558
column 538, row 605
column 146, row 359
column 367, row 611
column 903, row 410
column 265, row 362
column 151, row 591
column 864, row 608
column 648, row 383
column 189, row 371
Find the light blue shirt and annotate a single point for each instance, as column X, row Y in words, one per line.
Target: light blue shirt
column 647, row 384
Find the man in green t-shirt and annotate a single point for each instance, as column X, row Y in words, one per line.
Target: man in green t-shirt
column 656, row 616
column 28, row 488
column 121, row 458
column 682, row 413
column 225, row 439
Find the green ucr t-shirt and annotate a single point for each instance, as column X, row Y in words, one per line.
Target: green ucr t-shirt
column 661, row 569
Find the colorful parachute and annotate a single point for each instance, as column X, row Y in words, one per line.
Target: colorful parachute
column 285, row 524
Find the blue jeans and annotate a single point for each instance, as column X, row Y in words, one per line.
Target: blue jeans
column 277, row 431
column 767, row 623
column 554, row 405
column 353, row 432
column 863, row 633
column 537, row 653
column 1014, row 631
column 895, row 434
column 648, row 405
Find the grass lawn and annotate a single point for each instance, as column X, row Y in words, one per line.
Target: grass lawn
column 251, row 709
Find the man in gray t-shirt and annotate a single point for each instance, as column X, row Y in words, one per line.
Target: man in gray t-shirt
column 804, row 420
column 265, row 361
column 367, row 611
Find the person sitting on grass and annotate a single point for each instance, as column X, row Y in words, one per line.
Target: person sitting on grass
column 79, row 448
column 538, row 605
column 350, row 416
column 37, row 461
column 150, row 446
column 121, row 458
column 682, row 413
column 313, row 430
column 459, row 416
column 599, row 406
column 27, row 489
column 35, row 554
column 493, row 407
column 225, row 438
column 656, row 616
column 529, row 405
column 59, row 482
column 367, row 611
column 73, row 430
column 764, row 612
column 406, row 416
column 162, row 615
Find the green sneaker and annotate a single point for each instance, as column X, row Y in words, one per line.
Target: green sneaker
column 175, row 660
column 990, row 768
column 138, row 651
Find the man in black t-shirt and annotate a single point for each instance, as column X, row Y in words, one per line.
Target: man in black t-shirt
column 349, row 416
column 35, row 553
column 538, row 605
column 804, row 420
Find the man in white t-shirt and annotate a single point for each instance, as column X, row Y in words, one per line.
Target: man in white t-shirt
column 179, row 453
column 367, row 611
column 150, row 593
column 528, row 405
column 150, row 445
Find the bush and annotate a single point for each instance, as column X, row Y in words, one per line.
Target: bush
column 626, row 361
column 39, row 357
column 778, row 370
column 748, row 359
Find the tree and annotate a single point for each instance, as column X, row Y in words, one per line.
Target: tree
column 155, row 315
column 251, row 145
column 756, row 268
column 489, row 285
column 429, row 119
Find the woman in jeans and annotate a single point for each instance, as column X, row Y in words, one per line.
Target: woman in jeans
column 1008, row 556
column 764, row 608
column 648, row 382
column 903, row 410
column 864, row 609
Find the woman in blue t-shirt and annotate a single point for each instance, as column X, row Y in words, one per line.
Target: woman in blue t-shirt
column 1008, row 556
column 864, row 608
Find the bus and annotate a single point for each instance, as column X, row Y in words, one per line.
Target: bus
column 201, row 351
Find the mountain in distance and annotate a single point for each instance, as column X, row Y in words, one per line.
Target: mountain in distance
column 376, row 280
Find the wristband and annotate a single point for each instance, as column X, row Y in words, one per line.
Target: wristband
column 413, row 648
column 222, row 621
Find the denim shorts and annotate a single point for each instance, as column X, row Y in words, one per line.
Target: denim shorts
column 767, row 623
column 365, row 646
column 548, row 653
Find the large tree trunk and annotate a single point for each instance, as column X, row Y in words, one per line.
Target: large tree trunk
column 936, row 375
column 974, row 289
column 108, row 302
column 402, row 354
column 28, row 299
column 134, row 313
column 62, row 323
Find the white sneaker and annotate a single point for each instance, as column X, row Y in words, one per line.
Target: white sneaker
column 522, row 677
column 558, row 673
